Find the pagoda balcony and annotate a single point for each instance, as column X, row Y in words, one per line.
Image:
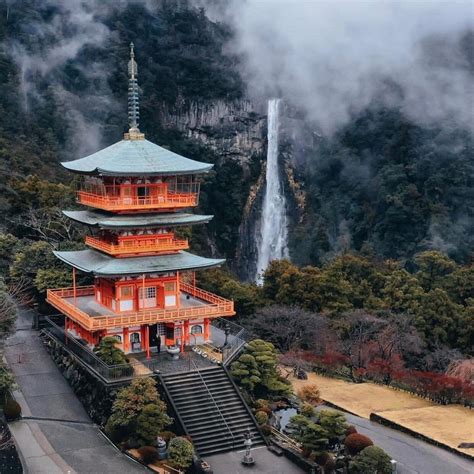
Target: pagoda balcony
column 80, row 306
column 139, row 197
column 139, row 244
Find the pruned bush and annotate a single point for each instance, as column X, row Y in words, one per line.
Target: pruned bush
column 167, row 435
column 261, row 403
column 356, row 442
column 12, row 410
column 108, row 351
column 266, row 430
column 371, row 460
column 351, row 429
column 330, row 466
column 261, row 417
column 310, row 394
column 180, row 452
column 322, row 458
column 307, row 409
column 333, row 422
column 148, row 454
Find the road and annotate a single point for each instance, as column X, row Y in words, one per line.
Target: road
column 413, row 456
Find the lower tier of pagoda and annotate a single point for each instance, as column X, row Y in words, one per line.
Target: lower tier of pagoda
column 81, row 306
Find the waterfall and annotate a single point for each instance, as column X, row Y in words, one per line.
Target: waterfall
column 273, row 232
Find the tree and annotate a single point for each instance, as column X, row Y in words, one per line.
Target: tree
column 289, row 327
column 8, row 311
column 256, row 369
column 312, row 436
column 180, row 452
column 108, row 351
column 151, row 421
column 334, row 423
column 433, row 267
column 131, row 401
column 371, row 460
column 310, row 393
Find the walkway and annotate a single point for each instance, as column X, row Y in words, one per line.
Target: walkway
column 59, row 437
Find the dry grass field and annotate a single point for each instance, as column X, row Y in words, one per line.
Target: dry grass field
column 449, row 425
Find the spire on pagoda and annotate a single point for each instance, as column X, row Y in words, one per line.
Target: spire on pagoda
column 133, row 99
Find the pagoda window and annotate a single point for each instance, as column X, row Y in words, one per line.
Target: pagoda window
column 147, row 297
column 135, row 342
column 143, row 192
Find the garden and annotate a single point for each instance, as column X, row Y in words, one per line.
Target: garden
column 297, row 425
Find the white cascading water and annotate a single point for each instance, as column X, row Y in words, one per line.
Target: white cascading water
column 273, row 233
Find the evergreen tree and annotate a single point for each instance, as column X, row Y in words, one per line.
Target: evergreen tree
column 371, row 460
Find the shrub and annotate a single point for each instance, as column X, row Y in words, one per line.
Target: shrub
column 356, row 442
column 167, row 435
column 330, row 466
column 266, row 430
column 12, row 410
column 180, row 452
column 109, row 353
column 371, row 460
column 261, row 403
column 322, row 458
column 116, row 433
column 261, row 417
column 266, row 410
column 148, row 454
column 351, row 429
column 151, row 421
column 310, row 394
column 333, row 422
column 307, row 409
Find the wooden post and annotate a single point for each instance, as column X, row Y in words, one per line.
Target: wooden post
column 147, row 341
column 74, row 284
column 126, row 340
column 143, row 291
column 186, row 333
column 207, row 332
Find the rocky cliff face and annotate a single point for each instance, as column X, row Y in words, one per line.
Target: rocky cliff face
column 237, row 130
column 234, row 129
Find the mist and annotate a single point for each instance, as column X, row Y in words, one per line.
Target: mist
column 333, row 59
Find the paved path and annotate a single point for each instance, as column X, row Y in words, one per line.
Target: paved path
column 57, row 435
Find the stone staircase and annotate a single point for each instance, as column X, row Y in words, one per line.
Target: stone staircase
column 211, row 410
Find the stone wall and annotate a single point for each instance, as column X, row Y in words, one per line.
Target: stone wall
column 96, row 396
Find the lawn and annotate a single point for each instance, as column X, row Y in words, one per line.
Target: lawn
column 449, row 425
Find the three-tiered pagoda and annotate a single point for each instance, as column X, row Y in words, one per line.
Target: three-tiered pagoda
column 137, row 194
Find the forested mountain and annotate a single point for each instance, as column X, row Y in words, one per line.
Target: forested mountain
column 381, row 210
column 382, row 185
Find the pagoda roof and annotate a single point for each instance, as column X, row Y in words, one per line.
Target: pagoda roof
column 136, row 158
column 105, row 220
column 91, row 261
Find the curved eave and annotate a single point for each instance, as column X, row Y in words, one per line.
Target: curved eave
column 91, row 261
column 113, row 221
column 115, row 173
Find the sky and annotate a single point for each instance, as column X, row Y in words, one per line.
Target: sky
column 332, row 59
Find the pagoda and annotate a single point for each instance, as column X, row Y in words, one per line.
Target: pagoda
column 138, row 195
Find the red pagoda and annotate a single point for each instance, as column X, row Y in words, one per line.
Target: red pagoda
column 144, row 286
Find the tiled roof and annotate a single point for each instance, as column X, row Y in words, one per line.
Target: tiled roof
column 105, row 220
column 99, row 264
column 136, row 158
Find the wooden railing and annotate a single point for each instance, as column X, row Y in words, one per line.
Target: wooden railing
column 138, row 246
column 63, row 300
column 122, row 203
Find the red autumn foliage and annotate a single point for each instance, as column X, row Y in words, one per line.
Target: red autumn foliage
column 356, row 442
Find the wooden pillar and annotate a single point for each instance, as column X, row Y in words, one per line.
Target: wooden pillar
column 186, row 333
column 207, row 330
column 126, row 340
column 74, row 289
column 147, row 341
